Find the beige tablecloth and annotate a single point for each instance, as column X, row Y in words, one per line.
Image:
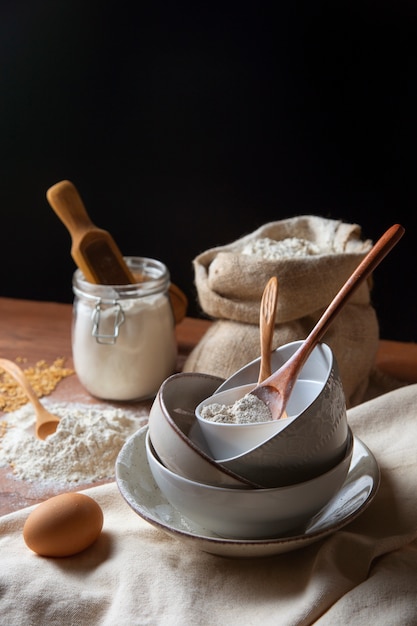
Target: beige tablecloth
column 366, row 573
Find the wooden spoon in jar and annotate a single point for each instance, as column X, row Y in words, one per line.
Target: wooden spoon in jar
column 276, row 390
column 46, row 422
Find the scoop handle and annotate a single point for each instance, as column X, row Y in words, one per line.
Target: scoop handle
column 68, row 205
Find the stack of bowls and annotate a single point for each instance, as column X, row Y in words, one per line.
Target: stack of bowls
column 251, row 481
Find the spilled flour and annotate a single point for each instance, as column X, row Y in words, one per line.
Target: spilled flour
column 83, row 449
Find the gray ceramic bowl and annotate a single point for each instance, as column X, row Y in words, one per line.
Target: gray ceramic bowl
column 172, row 415
column 312, row 443
column 249, row 513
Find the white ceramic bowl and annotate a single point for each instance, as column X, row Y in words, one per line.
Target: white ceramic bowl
column 311, row 441
column 139, row 490
column 312, row 371
column 249, row 513
column 172, row 415
column 226, row 440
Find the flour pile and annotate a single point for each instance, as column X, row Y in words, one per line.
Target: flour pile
column 83, row 449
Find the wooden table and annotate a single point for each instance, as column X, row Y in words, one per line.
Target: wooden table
column 42, row 330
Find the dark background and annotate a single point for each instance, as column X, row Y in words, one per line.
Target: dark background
column 187, row 125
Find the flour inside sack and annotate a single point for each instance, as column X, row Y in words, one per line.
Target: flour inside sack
column 290, row 247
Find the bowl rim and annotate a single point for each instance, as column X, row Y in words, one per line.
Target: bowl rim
column 222, row 389
column 348, row 454
column 189, row 442
column 225, row 385
column 322, row 525
column 252, row 425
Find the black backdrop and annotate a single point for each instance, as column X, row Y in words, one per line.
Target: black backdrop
column 187, row 125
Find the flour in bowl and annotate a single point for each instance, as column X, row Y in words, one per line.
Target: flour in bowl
column 247, row 410
column 83, row 449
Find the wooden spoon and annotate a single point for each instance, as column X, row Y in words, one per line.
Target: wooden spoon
column 94, row 250
column 276, row 390
column 267, row 325
column 46, row 422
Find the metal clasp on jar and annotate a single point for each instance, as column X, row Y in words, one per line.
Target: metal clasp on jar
column 119, row 318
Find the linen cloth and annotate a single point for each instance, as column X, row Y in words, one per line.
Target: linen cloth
column 366, row 573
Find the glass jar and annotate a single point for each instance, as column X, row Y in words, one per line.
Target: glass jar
column 123, row 336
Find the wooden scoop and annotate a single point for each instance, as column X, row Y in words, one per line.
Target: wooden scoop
column 46, row 422
column 276, row 390
column 94, row 250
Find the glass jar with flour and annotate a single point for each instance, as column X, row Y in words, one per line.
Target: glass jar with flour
column 123, row 336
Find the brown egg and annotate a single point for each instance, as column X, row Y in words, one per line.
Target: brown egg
column 63, row 525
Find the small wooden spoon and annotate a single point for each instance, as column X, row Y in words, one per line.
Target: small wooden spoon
column 266, row 326
column 276, row 390
column 46, row 422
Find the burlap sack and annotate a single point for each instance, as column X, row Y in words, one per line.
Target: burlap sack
column 230, row 284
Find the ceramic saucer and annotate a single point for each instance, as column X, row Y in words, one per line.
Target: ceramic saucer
column 138, row 488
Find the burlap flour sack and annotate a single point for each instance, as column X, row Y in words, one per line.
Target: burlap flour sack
column 312, row 257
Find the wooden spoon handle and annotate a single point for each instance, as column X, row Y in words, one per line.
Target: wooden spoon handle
column 276, row 390
column 374, row 257
column 267, row 325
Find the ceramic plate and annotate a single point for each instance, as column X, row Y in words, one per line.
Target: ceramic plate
column 138, row 488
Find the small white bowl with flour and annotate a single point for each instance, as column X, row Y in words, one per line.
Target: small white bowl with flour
column 233, row 422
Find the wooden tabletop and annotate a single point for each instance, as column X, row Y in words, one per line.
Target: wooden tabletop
column 38, row 331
